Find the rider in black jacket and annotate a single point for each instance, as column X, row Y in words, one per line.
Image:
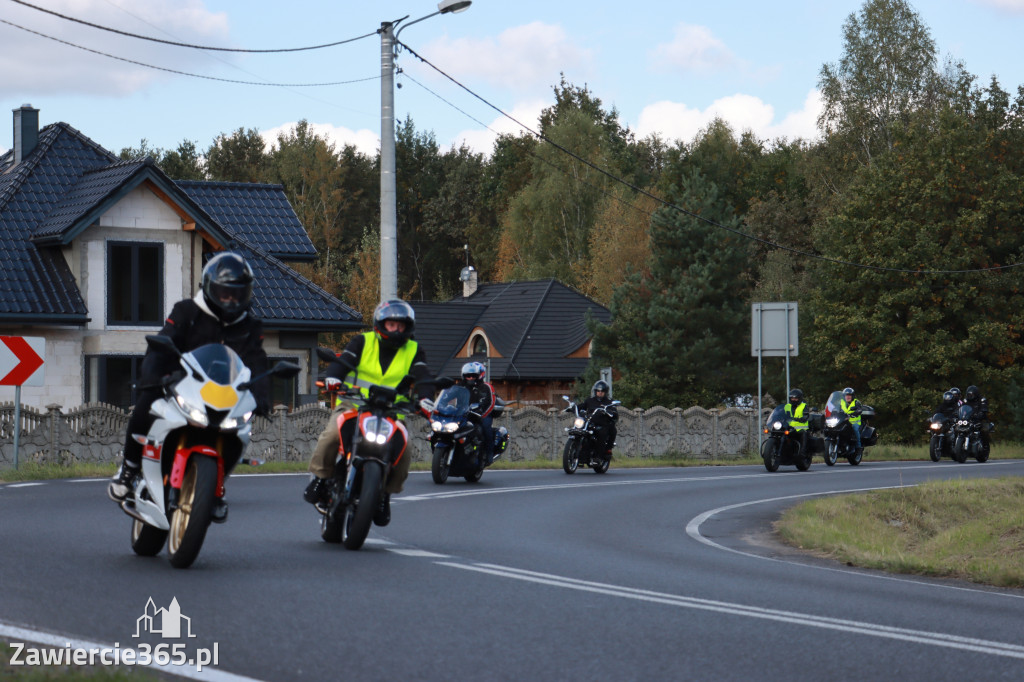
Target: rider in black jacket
column 218, row 313
column 606, row 430
column 481, row 394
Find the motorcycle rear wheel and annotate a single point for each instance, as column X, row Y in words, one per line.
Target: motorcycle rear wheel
column 602, row 466
column 832, row 453
column 983, row 455
column 475, row 476
column 571, row 456
column 147, row 540
column 195, row 508
column 802, row 460
column 439, row 464
column 960, row 450
column 855, row 458
column 935, row 448
column 357, row 522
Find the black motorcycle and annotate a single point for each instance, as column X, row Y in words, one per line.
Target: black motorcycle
column 840, row 439
column 782, row 446
column 940, row 444
column 968, row 439
column 454, row 439
column 583, row 448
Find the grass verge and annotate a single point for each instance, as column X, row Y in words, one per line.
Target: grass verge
column 966, row 529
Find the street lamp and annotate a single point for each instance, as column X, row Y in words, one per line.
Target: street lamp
column 388, row 192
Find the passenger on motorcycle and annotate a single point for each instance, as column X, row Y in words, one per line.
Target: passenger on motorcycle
column 383, row 357
column 606, row 425
column 957, row 396
column 949, row 404
column 218, row 313
column 481, row 394
column 797, row 410
column 852, row 408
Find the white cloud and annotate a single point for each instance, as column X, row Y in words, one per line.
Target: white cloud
column 677, row 121
column 34, row 64
column 524, row 58
column 693, row 48
column 1011, row 6
column 366, row 141
column 482, row 141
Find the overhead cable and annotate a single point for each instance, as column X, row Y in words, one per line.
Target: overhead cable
column 185, row 73
column 188, row 45
column 668, row 204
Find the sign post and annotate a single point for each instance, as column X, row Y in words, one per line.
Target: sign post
column 21, row 364
column 773, row 334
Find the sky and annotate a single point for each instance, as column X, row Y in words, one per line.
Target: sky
column 666, row 66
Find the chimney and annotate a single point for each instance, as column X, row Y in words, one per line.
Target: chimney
column 469, row 281
column 26, row 131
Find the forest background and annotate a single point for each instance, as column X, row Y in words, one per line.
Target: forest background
column 898, row 231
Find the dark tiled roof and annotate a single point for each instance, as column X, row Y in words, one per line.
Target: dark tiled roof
column 35, row 282
column 259, row 214
column 442, row 328
column 533, row 325
column 284, row 299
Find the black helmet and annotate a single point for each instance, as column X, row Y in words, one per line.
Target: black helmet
column 397, row 310
column 956, row 392
column 948, row 398
column 227, row 286
column 972, row 394
column 848, row 391
column 796, row 396
column 600, row 385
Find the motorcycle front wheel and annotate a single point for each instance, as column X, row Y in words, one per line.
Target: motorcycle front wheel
column 147, row 540
column 195, row 507
column 770, row 454
column 935, row 448
column 439, row 464
column 357, row 522
column 960, row 450
column 571, row 456
column 832, row 453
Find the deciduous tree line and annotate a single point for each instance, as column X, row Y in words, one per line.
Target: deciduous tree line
column 898, row 229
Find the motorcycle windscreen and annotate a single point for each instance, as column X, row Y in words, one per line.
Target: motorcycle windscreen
column 778, row 414
column 219, row 362
column 965, row 412
column 453, row 401
column 834, row 404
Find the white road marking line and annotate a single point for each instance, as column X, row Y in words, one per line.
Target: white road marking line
column 28, row 635
column 25, row 485
column 418, row 553
column 857, row 627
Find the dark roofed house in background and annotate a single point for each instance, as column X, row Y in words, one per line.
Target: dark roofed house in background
column 532, row 335
column 96, row 250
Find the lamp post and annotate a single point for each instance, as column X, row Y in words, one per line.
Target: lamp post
column 388, row 191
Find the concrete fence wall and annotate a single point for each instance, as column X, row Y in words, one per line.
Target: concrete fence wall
column 95, row 433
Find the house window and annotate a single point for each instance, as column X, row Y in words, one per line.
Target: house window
column 478, row 346
column 111, row 379
column 283, row 391
column 135, row 291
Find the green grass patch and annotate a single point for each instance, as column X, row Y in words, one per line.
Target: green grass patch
column 967, row 529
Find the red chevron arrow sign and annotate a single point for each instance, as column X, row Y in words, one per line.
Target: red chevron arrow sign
column 21, row 360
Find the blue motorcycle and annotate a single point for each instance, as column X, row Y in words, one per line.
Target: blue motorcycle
column 455, row 441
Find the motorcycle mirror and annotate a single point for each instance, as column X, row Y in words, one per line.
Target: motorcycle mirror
column 286, row 369
column 566, row 398
column 164, row 343
column 616, row 402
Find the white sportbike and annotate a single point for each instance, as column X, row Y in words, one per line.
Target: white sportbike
column 203, row 424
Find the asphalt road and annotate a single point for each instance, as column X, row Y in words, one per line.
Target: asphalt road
column 663, row 574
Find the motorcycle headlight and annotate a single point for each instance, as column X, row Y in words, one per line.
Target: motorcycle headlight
column 451, row 427
column 936, row 426
column 578, row 423
column 832, row 422
column 236, row 422
column 196, row 415
column 377, row 430
column 777, row 426
column 436, row 426
column 962, row 422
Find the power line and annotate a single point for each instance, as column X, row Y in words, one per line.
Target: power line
column 188, row 45
column 697, row 216
column 185, row 73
